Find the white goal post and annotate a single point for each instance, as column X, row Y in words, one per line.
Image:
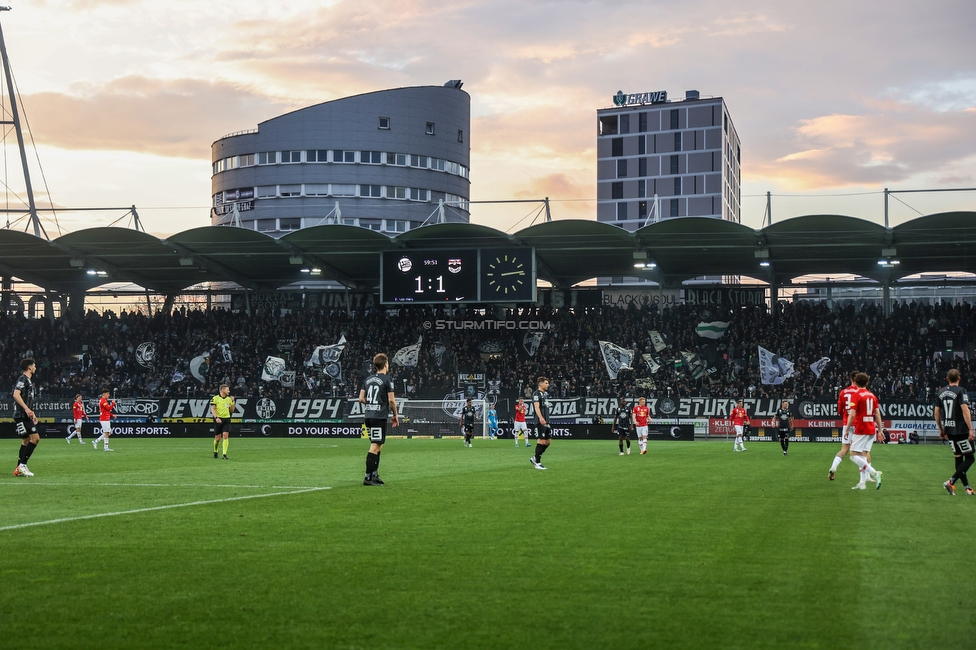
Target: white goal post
column 441, row 418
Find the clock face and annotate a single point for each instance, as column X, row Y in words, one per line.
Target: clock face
column 507, row 274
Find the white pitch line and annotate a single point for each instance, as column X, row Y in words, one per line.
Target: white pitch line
column 193, row 485
column 155, row 508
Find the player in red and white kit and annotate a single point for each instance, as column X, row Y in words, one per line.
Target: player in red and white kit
column 844, row 401
column 641, row 418
column 864, row 417
column 739, row 417
column 105, row 408
column 78, row 414
column 520, row 410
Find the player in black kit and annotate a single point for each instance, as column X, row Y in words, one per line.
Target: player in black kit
column 467, row 422
column 25, row 420
column 377, row 395
column 784, row 425
column 622, row 425
column 543, row 431
column 955, row 424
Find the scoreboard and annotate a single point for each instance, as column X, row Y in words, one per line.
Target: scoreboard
column 426, row 277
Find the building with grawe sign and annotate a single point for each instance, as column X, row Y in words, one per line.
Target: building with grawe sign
column 385, row 160
column 658, row 158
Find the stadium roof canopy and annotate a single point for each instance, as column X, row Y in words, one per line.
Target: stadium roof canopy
column 567, row 252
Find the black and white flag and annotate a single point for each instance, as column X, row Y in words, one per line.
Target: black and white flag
column 653, row 364
column 146, row 355
column 408, row 356
column 657, row 340
column 324, row 355
column 818, row 366
column 287, row 379
column 530, row 344
column 225, row 352
column 273, row 368
column 773, row 369
column 616, row 358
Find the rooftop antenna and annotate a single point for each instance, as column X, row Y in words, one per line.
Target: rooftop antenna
column 15, row 114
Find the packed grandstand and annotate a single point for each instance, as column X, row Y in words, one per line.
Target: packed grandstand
column 189, row 353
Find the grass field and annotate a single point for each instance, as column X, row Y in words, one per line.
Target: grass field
column 690, row 546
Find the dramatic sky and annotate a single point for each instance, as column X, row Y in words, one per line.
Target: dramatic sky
column 832, row 100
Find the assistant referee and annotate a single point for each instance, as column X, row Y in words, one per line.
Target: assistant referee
column 221, row 406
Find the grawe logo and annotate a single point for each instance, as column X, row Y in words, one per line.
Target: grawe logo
column 620, row 98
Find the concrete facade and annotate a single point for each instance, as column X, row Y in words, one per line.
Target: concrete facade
column 686, row 152
column 387, row 158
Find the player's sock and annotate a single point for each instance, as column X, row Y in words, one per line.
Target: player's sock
column 621, row 445
column 961, row 468
column 28, row 450
column 215, row 445
column 378, row 461
column 628, row 443
column 539, row 450
column 226, row 442
column 372, row 462
column 835, row 463
column 101, row 437
column 785, row 444
column 20, row 456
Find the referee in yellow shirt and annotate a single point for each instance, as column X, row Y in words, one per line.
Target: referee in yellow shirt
column 221, row 406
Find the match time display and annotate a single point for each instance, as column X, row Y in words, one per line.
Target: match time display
column 475, row 275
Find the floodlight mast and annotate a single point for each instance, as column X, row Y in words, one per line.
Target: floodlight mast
column 15, row 114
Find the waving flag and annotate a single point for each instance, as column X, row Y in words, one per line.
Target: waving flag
column 773, row 369
column 616, row 358
column 713, row 330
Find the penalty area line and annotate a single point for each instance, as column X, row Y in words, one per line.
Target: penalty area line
column 155, row 508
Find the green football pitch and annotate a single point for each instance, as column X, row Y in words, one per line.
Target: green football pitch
column 690, row 546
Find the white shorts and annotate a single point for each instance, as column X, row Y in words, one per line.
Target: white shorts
column 106, row 426
column 738, row 430
column 78, row 426
column 641, row 432
column 846, row 434
column 862, row 443
column 520, row 426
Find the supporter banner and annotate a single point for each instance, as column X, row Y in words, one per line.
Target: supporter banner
column 762, row 430
column 641, row 297
column 725, row 296
column 656, row 431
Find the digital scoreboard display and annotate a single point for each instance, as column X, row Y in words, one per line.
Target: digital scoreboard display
column 427, row 277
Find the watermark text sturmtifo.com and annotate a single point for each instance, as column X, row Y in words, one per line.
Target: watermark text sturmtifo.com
column 528, row 325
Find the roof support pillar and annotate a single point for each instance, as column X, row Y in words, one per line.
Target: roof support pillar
column 886, row 297
column 76, row 306
column 168, row 303
column 774, row 299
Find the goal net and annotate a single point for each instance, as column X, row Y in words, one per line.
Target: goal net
column 440, row 418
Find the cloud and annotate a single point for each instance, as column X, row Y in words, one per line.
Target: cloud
column 178, row 118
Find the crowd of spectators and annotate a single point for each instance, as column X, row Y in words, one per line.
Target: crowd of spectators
column 905, row 352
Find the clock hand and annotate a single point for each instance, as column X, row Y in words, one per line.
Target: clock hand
column 513, row 273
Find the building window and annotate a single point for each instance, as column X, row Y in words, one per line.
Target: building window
column 371, row 157
column 417, row 194
column 674, row 118
column 343, row 190
column 642, row 209
column 622, row 168
column 372, row 224
column 266, row 225
column 340, row 156
column 316, row 189
column 642, row 122
column 396, row 159
column 642, row 166
column 430, row 128
column 267, row 191
column 460, row 135
column 247, row 160
column 289, row 157
column 290, row 190
column 616, row 190
column 317, row 155
column 641, row 145
column 674, row 207
column 625, row 123
column 396, row 225
column 677, row 141
column 674, row 164
column 677, row 185
column 370, row 191
column 418, row 161
column 641, row 188
column 725, row 120
column 396, row 192
column 617, row 147
column 384, row 123
column 290, row 224
column 268, row 158
column 608, row 125
column 621, row 211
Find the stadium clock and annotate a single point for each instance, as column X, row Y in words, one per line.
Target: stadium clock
column 507, row 275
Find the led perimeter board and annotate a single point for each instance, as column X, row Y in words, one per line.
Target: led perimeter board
column 427, row 277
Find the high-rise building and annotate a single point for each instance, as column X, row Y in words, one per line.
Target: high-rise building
column 658, row 159
column 383, row 160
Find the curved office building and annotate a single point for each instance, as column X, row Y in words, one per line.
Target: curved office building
column 383, row 160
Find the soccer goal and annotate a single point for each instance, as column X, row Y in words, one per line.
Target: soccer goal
column 440, row 418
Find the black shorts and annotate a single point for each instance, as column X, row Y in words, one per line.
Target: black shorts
column 223, row 425
column 961, row 446
column 622, row 433
column 785, row 433
column 376, row 430
column 24, row 427
column 542, row 431
column 468, row 428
